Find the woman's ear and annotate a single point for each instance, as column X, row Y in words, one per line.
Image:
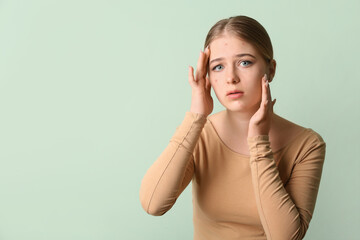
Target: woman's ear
column 272, row 69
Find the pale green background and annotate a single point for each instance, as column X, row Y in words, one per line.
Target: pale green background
column 92, row 91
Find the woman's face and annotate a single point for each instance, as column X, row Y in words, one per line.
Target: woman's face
column 236, row 65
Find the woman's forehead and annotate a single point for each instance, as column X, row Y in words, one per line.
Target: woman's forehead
column 229, row 46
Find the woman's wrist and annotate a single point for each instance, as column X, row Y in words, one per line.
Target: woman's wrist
column 254, row 133
column 198, row 112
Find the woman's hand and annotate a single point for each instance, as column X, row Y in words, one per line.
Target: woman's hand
column 201, row 100
column 260, row 122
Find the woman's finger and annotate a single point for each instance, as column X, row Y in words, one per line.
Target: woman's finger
column 206, row 59
column 201, row 68
column 269, row 92
column 199, row 74
column 264, row 96
column 273, row 102
column 207, row 84
column 191, row 76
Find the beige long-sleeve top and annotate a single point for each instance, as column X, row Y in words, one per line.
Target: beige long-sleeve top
column 267, row 195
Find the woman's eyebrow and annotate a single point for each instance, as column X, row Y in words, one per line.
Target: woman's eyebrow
column 237, row 55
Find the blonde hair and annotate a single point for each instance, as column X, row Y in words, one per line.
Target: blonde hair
column 245, row 28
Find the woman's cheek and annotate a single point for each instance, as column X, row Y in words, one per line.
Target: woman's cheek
column 216, row 87
column 212, row 78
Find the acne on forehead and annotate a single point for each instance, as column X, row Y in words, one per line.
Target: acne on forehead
column 226, row 43
column 242, row 43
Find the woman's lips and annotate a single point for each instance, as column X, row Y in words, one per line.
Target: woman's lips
column 235, row 95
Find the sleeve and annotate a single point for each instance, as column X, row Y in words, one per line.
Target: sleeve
column 173, row 170
column 285, row 212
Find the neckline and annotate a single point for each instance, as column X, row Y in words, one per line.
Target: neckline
column 248, row 156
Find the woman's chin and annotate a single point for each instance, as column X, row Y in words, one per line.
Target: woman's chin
column 236, row 107
column 236, row 110
column 240, row 107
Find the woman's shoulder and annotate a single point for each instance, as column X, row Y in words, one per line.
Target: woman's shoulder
column 308, row 146
column 213, row 125
column 300, row 136
column 291, row 128
column 209, row 134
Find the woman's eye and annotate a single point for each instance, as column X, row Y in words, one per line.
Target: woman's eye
column 245, row 63
column 217, row 67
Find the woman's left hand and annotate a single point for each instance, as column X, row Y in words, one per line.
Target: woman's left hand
column 260, row 122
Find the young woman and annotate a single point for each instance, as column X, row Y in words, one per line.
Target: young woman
column 255, row 175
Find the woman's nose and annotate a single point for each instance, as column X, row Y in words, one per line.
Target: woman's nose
column 232, row 77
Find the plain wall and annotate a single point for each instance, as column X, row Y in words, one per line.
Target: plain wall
column 92, row 91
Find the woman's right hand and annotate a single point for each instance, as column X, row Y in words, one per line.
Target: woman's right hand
column 201, row 100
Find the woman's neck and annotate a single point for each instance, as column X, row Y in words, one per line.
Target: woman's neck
column 238, row 122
